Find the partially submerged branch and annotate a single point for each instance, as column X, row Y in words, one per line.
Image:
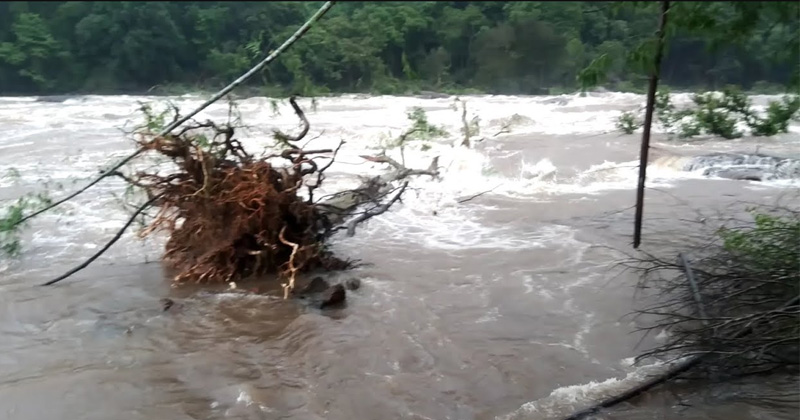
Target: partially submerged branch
column 229, row 215
column 731, row 312
column 107, row 245
column 748, row 282
column 286, row 139
column 363, row 217
column 471, row 128
column 178, row 120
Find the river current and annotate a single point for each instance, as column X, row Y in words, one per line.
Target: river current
column 491, row 293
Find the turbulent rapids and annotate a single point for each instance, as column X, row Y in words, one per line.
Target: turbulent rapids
column 485, row 291
column 743, row 166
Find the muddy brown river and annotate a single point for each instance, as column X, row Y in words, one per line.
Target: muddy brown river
column 508, row 306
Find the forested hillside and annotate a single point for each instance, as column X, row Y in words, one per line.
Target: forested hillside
column 381, row 47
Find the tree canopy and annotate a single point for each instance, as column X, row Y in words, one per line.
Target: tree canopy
column 389, row 47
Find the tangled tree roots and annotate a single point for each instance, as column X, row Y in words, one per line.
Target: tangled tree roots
column 230, row 215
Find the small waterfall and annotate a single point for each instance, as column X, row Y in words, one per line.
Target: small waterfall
column 754, row 167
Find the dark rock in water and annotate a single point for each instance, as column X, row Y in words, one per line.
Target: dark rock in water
column 741, row 174
column 352, row 284
column 316, row 285
column 335, row 295
column 559, row 100
column 166, row 304
column 319, row 293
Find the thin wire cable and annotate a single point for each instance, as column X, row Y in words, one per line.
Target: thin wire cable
column 177, row 123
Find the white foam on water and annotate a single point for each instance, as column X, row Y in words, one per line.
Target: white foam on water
column 449, row 230
column 363, row 122
column 239, row 296
column 565, row 400
column 13, row 99
column 18, row 144
column 586, row 328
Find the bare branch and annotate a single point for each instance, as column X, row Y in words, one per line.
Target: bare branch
column 287, row 139
column 351, row 226
column 477, row 195
column 106, row 247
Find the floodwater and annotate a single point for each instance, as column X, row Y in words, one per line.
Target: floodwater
column 507, row 305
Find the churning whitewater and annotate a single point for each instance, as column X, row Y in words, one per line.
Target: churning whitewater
column 486, row 294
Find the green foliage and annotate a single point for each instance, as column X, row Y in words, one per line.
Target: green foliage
column 664, row 109
column 670, row 117
column 777, row 118
column 728, row 42
column 10, row 218
column 421, row 129
column 390, row 47
column 689, row 129
column 154, row 121
column 595, row 72
column 719, row 114
column 31, row 52
column 275, row 107
column 628, row 123
column 772, row 245
column 12, row 213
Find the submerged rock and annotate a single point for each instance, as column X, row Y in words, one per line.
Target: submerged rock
column 352, row 283
column 316, row 285
column 321, row 294
column 166, row 304
column 744, row 174
column 743, row 166
column 335, row 295
column 55, row 98
column 559, row 100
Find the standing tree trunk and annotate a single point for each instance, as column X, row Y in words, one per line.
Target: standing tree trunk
column 648, row 122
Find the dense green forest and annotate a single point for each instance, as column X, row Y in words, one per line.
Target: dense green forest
column 384, row 47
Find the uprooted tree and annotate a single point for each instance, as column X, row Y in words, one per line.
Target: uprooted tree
column 229, row 214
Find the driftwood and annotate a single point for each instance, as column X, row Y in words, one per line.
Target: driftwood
column 229, row 215
column 341, row 206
